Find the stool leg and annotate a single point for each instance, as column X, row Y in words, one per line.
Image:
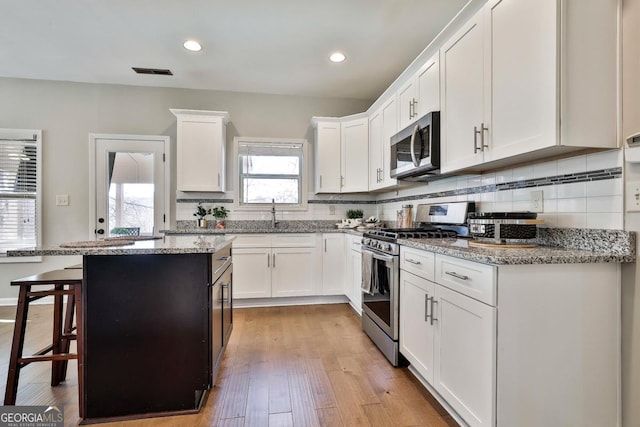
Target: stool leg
column 80, row 347
column 57, row 336
column 17, row 345
column 67, row 330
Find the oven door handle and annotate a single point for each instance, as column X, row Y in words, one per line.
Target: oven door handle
column 387, row 258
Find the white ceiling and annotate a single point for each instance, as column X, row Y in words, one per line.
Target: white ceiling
column 264, row 46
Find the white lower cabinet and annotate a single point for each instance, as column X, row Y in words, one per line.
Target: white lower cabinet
column 449, row 339
column 285, row 265
column 333, row 264
column 513, row 345
column 353, row 252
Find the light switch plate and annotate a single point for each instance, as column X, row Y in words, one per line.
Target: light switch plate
column 62, row 200
column 632, row 196
column 536, row 201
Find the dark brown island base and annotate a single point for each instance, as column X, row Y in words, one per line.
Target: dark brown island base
column 156, row 319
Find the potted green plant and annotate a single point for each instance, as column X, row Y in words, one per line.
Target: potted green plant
column 220, row 213
column 201, row 213
column 354, row 217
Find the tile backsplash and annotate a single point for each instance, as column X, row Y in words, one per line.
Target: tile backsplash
column 584, row 191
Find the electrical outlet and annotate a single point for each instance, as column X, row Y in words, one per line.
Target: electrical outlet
column 632, row 197
column 62, row 200
column 332, row 209
column 536, row 201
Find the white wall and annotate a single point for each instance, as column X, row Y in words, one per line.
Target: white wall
column 68, row 112
column 631, row 273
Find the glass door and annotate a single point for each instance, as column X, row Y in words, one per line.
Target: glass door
column 130, row 193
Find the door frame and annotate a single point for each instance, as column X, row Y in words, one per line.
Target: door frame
column 92, row 173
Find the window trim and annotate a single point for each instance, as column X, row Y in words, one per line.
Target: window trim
column 28, row 134
column 302, row 206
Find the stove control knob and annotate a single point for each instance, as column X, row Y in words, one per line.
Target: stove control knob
column 387, row 247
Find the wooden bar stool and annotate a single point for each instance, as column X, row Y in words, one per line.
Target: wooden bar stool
column 62, row 328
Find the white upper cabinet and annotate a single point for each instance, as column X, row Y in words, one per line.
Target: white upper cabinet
column 355, row 155
column 201, row 141
column 327, row 157
column 375, row 149
column 518, row 84
column 383, row 123
column 341, row 154
column 462, row 98
column 421, row 93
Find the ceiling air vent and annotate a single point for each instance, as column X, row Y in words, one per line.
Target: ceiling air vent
column 156, row 71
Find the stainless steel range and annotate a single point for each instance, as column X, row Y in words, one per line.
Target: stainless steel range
column 381, row 269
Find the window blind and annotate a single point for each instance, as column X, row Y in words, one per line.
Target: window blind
column 19, row 187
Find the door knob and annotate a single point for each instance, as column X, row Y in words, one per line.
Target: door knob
column 100, row 231
column 100, row 220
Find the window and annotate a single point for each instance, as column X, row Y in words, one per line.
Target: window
column 270, row 169
column 20, row 163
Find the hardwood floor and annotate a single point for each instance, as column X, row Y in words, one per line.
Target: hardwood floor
column 284, row 366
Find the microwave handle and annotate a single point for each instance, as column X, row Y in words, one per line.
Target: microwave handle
column 416, row 162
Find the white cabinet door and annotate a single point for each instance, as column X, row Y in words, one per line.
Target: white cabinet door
column 251, row 272
column 462, row 102
column 356, row 280
column 333, row 264
column 416, row 329
column 428, row 86
column 521, row 84
column 465, row 362
column 375, row 150
column 355, row 155
column 293, row 272
column 389, row 128
column 354, row 271
column 201, row 141
column 327, row 157
column 407, row 95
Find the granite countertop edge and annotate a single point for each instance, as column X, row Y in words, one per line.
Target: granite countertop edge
column 209, row 231
column 167, row 246
column 500, row 256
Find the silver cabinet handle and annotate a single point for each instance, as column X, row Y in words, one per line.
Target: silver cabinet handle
column 268, row 260
column 482, row 129
column 456, row 275
column 320, row 181
column 427, row 298
column 475, row 139
column 410, row 110
column 223, row 287
column 341, row 181
column 274, row 260
column 415, row 110
column 325, row 245
column 218, row 180
column 433, row 318
column 412, row 261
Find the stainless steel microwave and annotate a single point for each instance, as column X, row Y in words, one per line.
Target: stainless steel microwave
column 415, row 150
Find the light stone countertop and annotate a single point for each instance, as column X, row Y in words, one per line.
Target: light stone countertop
column 192, row 244
column 211, row 231
column 539, row 255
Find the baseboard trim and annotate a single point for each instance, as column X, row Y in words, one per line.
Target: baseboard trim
column 14, row 301
column 282, row 301
column 437, row 396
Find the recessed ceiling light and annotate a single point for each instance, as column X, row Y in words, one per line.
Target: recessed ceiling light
column 337, row 57
column 192, row 45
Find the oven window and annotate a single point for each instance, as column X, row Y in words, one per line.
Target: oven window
column 380, row 301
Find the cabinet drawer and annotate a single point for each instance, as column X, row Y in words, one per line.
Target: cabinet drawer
column 302, row 240
column 470, row 278
column 354, row 243
column 419, row 262
column 252, row 241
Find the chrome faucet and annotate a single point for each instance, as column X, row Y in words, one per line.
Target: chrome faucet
column 274, row 223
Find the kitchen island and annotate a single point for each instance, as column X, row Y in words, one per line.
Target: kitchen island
column 153, row 324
